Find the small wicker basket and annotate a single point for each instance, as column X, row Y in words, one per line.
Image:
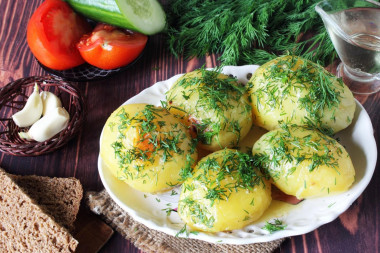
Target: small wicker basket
column 13, row 98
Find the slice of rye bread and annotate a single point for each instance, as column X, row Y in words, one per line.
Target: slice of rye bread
column 58, row 197
column 24, row 225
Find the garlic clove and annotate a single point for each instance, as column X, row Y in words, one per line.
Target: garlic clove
column 50, row 124
column 49, row 101
column 24, row 135
column 31, row 112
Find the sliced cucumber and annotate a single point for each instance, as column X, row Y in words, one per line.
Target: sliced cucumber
column 145, row 16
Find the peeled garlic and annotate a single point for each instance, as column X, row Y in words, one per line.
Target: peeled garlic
column 49, row 101
column 24, row 135
column 54, row 121
column 31, row 112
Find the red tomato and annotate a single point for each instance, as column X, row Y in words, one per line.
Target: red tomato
column 52, row 34
column 108, row 47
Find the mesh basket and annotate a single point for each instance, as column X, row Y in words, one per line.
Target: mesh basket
column 13, row 98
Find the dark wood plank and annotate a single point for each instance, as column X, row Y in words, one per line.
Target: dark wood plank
column 356, row 230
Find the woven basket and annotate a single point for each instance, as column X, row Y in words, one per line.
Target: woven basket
column 13, row 98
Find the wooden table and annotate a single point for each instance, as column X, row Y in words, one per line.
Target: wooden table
column 356, row 230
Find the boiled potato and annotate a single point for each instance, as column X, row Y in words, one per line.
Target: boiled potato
column 249, row 140
column 215, row 104
column 304, row 162
column 147, row 147
column 292, row 90
column 225, row 192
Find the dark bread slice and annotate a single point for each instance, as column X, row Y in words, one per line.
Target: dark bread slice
column 58, row 197
column 24, row 225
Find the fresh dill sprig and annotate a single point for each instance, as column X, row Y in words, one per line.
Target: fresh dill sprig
column 247, row 32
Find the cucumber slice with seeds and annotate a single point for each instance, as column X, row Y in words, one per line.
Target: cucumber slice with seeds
column 145, row 16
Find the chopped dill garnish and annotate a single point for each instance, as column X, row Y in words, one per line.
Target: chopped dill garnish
column 235, row 164
column 274, row 226
column 284, row 148
column 168, row 210
column 183, row 230
column 199, row 213
column 331, row 204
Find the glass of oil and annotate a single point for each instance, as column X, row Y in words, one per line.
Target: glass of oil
column 354, row 29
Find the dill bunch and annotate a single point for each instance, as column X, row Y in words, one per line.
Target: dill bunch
column 246, row 31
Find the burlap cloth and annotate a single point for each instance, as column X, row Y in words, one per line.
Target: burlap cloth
column 149, row 240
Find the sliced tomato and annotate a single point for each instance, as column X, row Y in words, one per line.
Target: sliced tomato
column 108, row 47
column 53, row 32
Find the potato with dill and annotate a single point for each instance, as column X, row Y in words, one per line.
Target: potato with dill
column 293, row 90
column 147, row 147
column 303, row 162
column 215, row 104
column 226, row 192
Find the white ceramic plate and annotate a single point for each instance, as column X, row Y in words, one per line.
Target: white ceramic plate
column 299, row 219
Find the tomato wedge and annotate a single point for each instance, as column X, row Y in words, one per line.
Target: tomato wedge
column 108, row 47
column 52, row 34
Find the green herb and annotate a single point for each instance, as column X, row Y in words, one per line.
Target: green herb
column 183, row 230
column 235, row 164
column 272, row 227
column 168, row 210
column 186, row 171
column 284, row 148
column 246, row 218
column 199, row 213
column 246, row 32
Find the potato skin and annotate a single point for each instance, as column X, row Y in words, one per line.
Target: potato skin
column 293, row 90
column 127, row 150
column 304, row 162
column 216, row 199
column 214, row 104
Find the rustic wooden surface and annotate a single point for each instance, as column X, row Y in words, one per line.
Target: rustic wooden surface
column 356, row 230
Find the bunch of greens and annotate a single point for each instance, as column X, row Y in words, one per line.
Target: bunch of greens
column 246, row 31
